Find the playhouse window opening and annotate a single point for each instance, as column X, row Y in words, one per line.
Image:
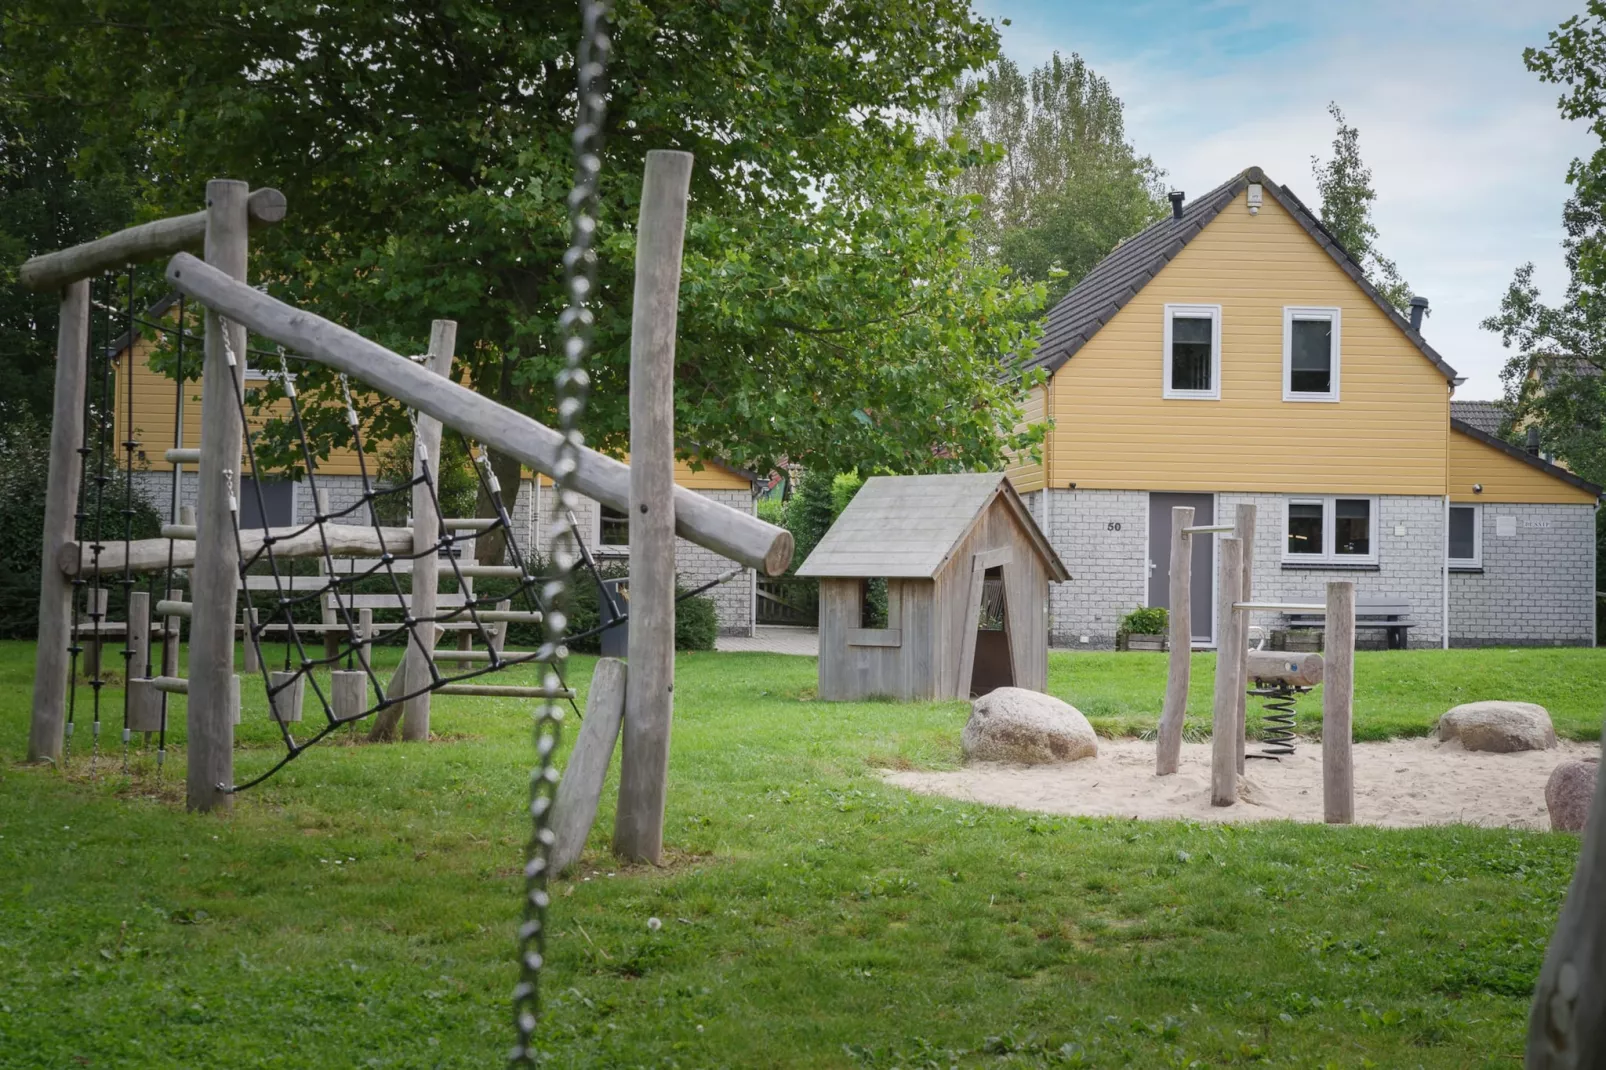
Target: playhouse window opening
column 873, row 603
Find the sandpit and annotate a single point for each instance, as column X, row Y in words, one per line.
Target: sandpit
column 1401, row 783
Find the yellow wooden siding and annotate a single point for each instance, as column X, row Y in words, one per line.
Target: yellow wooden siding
column 1503, row 477
column 1113, row 429
column 1027, row 475
column 153, row 409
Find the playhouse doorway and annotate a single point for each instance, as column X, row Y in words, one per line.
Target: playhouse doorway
column 994, row 664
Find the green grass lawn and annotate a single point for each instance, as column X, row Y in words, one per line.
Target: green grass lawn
column 358, row 910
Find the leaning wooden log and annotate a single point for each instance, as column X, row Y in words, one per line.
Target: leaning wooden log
column 164, row 237
column 150, row 555
column 574, row 810
column 728, row 532
column 505, row 691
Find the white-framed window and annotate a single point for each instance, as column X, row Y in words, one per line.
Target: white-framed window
column 1327, row 530
column 1192, row 352
column 1311, row 353
column 1466, row 536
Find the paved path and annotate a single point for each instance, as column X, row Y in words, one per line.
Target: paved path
column 770, row 640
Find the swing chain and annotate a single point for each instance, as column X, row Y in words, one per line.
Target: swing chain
column 572, row 387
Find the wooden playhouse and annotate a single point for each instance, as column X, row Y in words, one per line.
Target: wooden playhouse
column 965, row 570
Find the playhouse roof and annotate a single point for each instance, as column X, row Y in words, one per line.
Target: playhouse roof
column 906, row 527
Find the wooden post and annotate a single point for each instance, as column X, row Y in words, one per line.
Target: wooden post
column 1229, row 661
column 574, row 810
column 139, row 634
column 649, row 703
column 144, row 706
column 1338, row 694
column 214, row 579
column 52, row 661
column 1566, row 1029
column 426, row 532
column 171, row 635
column 1244, row 528
column 252, row 661
column 1168, row 748
column 96, row 600
column 365, row 635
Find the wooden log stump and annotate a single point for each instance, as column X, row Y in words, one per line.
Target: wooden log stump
column 285, row 692
column 348, row 693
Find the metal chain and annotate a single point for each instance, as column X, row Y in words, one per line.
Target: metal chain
column 573, row 386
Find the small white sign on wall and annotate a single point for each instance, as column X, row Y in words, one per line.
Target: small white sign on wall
column 1535, row 523
column 1505, row 526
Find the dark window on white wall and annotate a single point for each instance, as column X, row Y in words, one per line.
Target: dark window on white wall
column 1330, row 530
column 1466, row 536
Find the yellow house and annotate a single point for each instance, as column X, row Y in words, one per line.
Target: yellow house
column 159, row 415
column 1234, row 352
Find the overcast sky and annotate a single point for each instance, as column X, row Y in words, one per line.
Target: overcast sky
column 1467, row 150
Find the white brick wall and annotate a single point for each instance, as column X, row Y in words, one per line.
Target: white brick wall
column 1537, row 585
column 1408, row 569
column 1102, row 536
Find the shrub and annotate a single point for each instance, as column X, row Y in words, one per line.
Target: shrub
column 696, row 620
column 1145, row 620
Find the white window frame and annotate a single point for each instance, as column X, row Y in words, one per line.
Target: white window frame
column 1310, row 312
column 1476, row 560
column 1329, row 555
column 1213, row 313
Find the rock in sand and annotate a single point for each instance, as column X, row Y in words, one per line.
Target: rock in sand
column 1013, row 724
column 1499, row 726
column 1568, row 793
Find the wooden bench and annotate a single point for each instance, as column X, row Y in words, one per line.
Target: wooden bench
column 1378, row 614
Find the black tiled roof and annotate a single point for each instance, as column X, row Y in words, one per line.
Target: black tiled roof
column 1486, row 416
column 1119, row 277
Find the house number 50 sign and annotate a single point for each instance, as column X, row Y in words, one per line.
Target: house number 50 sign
column 1114, row 525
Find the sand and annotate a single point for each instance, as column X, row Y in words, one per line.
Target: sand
column 1401, row 783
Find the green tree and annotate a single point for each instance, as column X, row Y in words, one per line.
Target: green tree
column 1345, row 186
column 45, row 204
column 829, row 310
column 1058, row 182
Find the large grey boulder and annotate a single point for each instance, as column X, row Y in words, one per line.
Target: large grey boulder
column 1568, row 793
column 1499, row 726
column 1013, row 724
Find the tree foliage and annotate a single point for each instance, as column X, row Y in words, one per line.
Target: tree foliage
column 44, row 205
column 1058, row 183
column 830, row 309
column 1555, row 379
column 1345, row 186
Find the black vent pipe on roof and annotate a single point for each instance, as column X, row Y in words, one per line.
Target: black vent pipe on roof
column 1533, row 440
column 1419, row 308
column 1177, row 197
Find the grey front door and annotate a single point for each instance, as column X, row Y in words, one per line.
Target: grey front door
column 1203, row 573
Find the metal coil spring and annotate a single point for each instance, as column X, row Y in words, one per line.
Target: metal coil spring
column 1277, row 726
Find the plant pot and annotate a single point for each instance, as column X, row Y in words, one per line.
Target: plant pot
column 1135, row 641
